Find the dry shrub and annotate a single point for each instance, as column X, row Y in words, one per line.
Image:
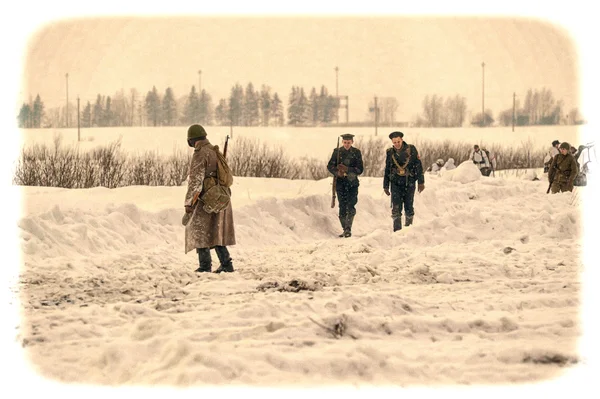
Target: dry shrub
column 249, row 158
column 109, row 166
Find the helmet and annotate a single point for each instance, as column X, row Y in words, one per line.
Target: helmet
column 565, row 145
column 196, row 132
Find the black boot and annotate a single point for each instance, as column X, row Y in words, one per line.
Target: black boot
column 397, row 224
column 225, row 259
column 409, row 220
column 204, row 259
column 348, row 228
column 343, row 223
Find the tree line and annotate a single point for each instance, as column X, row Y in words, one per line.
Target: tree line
column 250, row 107
column 539, row 108
column 244, row 107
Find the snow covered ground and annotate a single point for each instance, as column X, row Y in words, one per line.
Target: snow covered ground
column 486, row 289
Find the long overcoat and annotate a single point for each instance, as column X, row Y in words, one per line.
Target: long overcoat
column 206, row 230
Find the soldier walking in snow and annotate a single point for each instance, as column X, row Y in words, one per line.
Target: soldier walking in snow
column 346, row 165
column 206, row 230
column 403, row 170
column 480, row 159
column 563, row 170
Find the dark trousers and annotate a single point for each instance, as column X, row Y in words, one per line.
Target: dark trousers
column 403, row 196
column 206, row 260
column 347, row 198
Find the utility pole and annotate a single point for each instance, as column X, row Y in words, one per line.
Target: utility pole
column 376, row 115
column 67, row 78
column 347, row 109
column 199, row 82
column 514, row 102
column 482, row 94
column 230, row 122
column 78, row 124
column 337, row 95
column 132, row 105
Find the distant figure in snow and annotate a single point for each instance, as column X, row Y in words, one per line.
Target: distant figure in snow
column 435, row 167
column 346, row 165
column 480, row 159
column 552, row 152
column 563, row 170
column 492, row 159
column 206, row 231
column 403, row 171
column 449, row 165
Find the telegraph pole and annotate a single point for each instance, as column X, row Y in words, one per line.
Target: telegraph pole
column 376, row 115
column 199, row 82
column 336, row 94
column 514, row 102
column 78, row 124
column 482, row 94
column 67, row 78
column 132, row 105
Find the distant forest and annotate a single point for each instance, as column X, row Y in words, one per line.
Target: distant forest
column 250, row 107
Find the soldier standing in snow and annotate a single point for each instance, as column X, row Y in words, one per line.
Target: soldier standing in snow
column 552, row 152
column 206, row 230
column 346, row 165
column 563, row 170
column 403, row 170
column 480, row 159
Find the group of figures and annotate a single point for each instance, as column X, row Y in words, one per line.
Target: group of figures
column 482, row 158
column 562, row 167
column 403, row 176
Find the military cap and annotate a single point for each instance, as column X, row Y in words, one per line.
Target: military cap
column 196, row 132
column 555, row 142
column 396, row 134
column 347, row 136
column 565, row 145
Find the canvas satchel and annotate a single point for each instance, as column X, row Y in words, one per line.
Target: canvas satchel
column 216, row 197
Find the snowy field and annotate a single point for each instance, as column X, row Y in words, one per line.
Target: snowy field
column 483, row 289
column 486, row 289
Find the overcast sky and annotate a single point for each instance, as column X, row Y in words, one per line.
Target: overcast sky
column 403, row 57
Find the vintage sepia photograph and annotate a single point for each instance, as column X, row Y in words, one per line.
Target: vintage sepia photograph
column 224, row 202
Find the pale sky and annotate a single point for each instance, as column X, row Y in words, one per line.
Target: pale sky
column 404, row 57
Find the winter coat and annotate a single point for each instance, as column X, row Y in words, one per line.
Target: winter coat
column 480, row 159
column 206, row 230
column 449, row 165
column 562, row 172
column 406, row 155
column 352, row 159
column 435, row 168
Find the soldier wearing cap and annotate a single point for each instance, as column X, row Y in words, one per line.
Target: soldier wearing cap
column 403, row 171
column 563, row 170
column 552, row 152
column 346, row 165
